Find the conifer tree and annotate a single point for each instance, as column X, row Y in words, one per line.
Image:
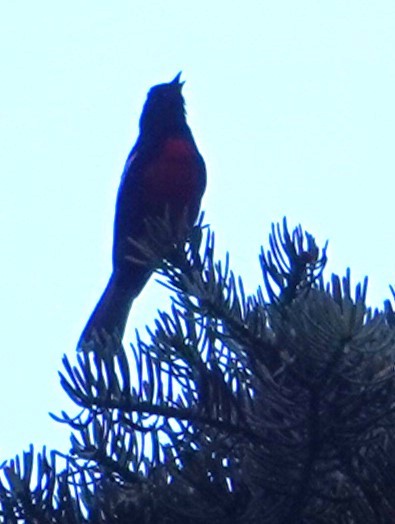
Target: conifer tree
column 272, row 408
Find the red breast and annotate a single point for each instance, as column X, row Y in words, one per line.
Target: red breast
column 173, row 179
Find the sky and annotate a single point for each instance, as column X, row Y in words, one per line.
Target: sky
column 291, row 105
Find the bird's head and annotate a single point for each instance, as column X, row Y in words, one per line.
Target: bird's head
column 164, row 109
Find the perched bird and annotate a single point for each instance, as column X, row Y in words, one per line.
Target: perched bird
column 164, row 178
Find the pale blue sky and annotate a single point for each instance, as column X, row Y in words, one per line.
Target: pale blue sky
column 291, row 104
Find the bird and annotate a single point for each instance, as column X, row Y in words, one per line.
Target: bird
column 164, row 178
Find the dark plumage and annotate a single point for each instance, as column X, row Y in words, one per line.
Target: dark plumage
column 164, row 175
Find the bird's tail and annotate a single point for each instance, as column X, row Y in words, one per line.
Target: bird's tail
column 111, row 312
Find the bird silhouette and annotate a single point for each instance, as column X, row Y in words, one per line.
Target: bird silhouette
column 164, row 178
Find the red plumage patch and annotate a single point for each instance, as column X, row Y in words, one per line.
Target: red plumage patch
column 173, row 179
column 178, row 147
